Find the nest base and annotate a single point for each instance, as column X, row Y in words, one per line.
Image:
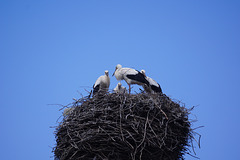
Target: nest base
column 122, row 126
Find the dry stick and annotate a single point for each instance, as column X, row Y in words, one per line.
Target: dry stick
column 74, row 154
column 144, row 135
column 141, row 152
column 120, row 121
column 121, row 106
column 132, row 138
column 198, row 142
column 106, row 133
column 153, row 132
column 161, row 110
column 137, row 127
column 193, row 147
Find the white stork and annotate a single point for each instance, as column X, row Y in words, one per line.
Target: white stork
column 153, row 87
column 120, row 89
column 102, row 83
column 131, row 76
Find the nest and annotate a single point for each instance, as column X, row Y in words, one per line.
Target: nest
column 124, row 127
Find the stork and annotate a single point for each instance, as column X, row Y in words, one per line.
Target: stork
column 120, row 89
column 153, row 87
column 131, row 76
column 102, row 83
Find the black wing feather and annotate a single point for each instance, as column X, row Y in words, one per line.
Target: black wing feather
column 138, row 77
column 156, row 89
column 96, row 88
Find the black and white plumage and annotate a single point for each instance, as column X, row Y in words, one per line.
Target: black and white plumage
column 131, row 76
column 153, row 87
column 102, row 83
column 120, row 89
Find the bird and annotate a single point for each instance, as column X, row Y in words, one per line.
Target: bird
column 67, row 111
column 131, row 76
column 120, row 89
column 153, row 87
column 102, row 83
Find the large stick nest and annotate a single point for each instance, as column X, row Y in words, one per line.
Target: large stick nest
column 124, row 127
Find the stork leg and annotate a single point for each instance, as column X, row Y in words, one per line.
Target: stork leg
column 129, row 88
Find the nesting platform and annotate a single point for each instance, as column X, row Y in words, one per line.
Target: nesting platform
column 124, row 127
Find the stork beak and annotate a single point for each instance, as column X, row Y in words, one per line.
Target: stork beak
column 114, row 72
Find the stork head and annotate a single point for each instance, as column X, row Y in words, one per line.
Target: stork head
column 143, row 72
column 119, row 85
column 117, row 67
column 106, row 72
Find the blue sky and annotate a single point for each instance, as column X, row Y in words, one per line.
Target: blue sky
column 52, row 50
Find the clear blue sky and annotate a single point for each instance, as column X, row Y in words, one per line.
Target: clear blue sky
column 51, row 50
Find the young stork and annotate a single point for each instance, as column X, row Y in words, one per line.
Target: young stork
column 102, row 83
column 120, row 89
column 153, row 87
column 131, row 76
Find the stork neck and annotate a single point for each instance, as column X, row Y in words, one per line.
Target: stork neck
column 118, row 75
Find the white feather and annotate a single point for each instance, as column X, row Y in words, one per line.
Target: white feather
column 152, row 83
column 120, row 89
column 103, row 82
column 131, row 76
